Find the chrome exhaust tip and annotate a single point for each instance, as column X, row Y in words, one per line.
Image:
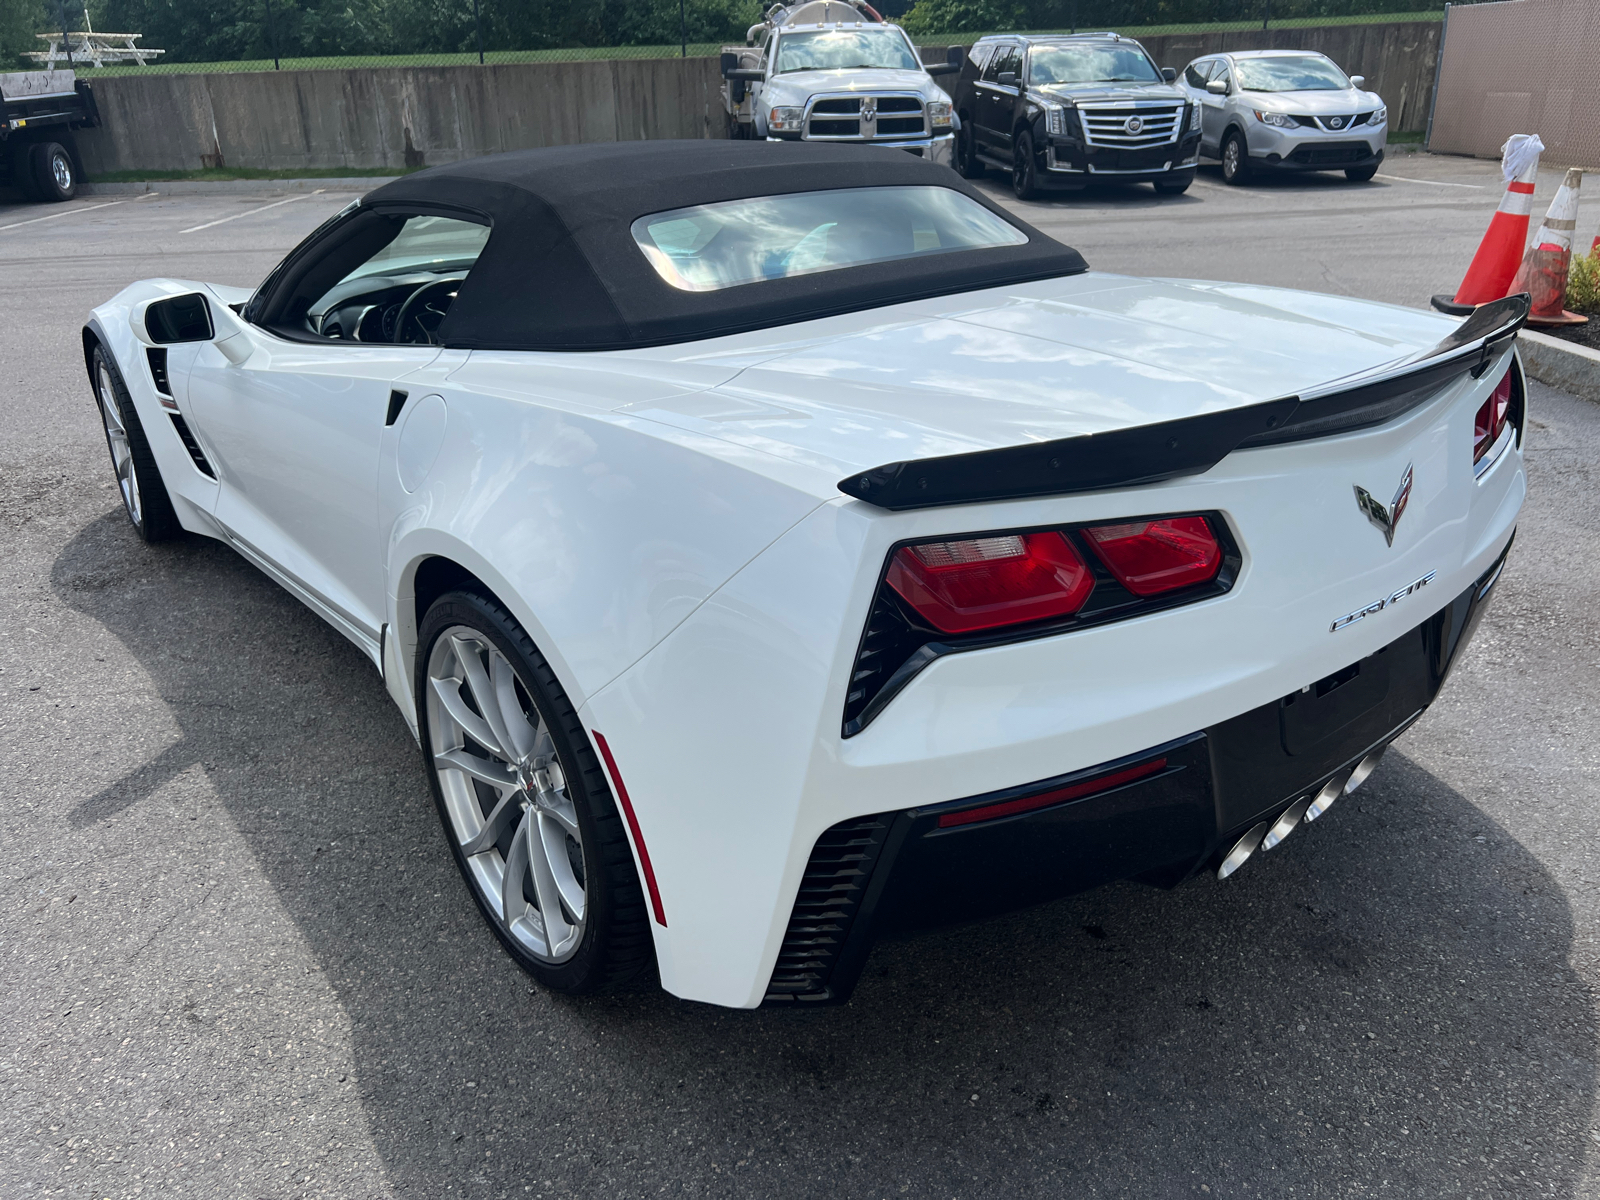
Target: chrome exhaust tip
column 1323, row 800
column 1363, row 769
column 1242, row 849
column 1287, row 820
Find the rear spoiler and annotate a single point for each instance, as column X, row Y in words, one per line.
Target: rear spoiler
column 1192, row 445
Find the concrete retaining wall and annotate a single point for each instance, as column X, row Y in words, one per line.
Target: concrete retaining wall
column 415, row 116
column 393, row 116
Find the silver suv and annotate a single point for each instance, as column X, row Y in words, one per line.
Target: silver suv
column 1286, row 110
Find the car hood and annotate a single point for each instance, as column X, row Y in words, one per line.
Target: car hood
column 796, row 87
column 1111, row 93
column 1311, row 103
column 1031, row 363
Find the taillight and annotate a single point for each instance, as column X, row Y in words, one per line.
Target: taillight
column 1490, row 422
column 983, row 583
column 1151, row 557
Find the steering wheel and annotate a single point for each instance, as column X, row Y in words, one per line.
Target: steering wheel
column 424, row 310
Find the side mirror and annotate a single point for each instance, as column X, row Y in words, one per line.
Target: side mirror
column 1218, row 87
column 1170, row 74
column 1007, row 79
column 728, row 62
column 956, row 56
column 192, row 318
column 1358, row 81
column 178, row 319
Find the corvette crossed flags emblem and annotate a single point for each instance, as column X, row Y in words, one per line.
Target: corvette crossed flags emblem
column 1386, row 518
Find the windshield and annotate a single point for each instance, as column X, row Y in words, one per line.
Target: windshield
column 1312, row 73
column 714, row 246
column 427, row 243
column 1091, row 64
column 845, row 50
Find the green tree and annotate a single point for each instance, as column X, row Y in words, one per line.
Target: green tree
column 964, row 16
column 19, row 21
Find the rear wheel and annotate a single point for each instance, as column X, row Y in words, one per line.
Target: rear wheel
column 22, row 171
column 144, row 495
column 1024, row 182
column 54, row 176
column 968, row 164
column 1235, row 159
column 1360, row 174
column 524, row 801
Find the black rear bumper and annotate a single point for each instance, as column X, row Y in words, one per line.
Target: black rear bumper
column 1156, row 816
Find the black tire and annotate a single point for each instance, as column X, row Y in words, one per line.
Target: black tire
column 144, row 493
column 55, row 175
column 1024, row 179
column 1360, row 174
column 1174, row 187
column 1235, row 159
column 968, row 165
column 615, row 943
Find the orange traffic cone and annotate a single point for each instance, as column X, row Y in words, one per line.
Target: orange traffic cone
column 1493, row 266
column 1543, row 273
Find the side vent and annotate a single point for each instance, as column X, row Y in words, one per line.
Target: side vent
column 192, row 446
column 397, row 403
column 830, row 897
column 157, row 357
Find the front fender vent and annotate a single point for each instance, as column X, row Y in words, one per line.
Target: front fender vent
column 825, row 910
column 193, row 447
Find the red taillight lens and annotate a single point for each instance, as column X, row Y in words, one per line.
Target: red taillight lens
column 1490, row 422
column 1151, row 557
column 983, row 583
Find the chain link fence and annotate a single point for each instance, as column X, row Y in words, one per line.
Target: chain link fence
column 207, row 36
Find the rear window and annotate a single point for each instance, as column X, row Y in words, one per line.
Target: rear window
column 714, row 246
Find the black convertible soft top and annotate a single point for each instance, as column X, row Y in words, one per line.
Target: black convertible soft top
column 561, row 270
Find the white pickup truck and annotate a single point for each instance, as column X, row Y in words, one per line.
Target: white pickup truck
column 38, row 112
column 831, row 71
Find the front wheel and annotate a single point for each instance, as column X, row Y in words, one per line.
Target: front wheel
column 524, row 800
column 1235, row 159
column 1360, row 174
column 968, row 164
column 144, row 495
column 1024, row 182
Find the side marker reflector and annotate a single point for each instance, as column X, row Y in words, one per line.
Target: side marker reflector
column 633, row 828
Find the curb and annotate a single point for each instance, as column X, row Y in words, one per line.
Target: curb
column 1560, row 364
column 227, row 187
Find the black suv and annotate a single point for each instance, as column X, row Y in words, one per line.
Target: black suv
column 1063, row 112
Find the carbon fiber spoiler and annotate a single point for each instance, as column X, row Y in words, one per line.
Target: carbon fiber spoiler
column 1191, row 445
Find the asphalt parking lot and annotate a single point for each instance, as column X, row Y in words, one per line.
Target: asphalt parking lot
column 237, row 959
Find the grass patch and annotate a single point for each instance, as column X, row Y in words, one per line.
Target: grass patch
column 1583, row 283
column 219, row 174
column 696, row 49
column 1405, row 137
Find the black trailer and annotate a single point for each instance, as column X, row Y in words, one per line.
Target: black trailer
column 39, row 112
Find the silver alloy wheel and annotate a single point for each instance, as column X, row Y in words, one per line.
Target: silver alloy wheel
column 1230, row 158
column 61, row 168
column 117, row 440
column 505, row 794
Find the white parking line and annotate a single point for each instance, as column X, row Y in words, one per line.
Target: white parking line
column 69, row 212
column 252, row 212
column 1433, row 182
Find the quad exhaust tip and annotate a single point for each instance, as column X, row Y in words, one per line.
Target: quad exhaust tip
column 1242, row 849
column 1263, row 836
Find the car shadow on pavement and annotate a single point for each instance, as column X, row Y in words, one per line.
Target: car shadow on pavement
column 1383, row 1004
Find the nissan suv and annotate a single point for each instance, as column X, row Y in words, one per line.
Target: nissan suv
column 1286, row 110
column 1062, row 112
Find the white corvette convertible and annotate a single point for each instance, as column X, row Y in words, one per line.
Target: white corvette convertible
column 774, row 545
